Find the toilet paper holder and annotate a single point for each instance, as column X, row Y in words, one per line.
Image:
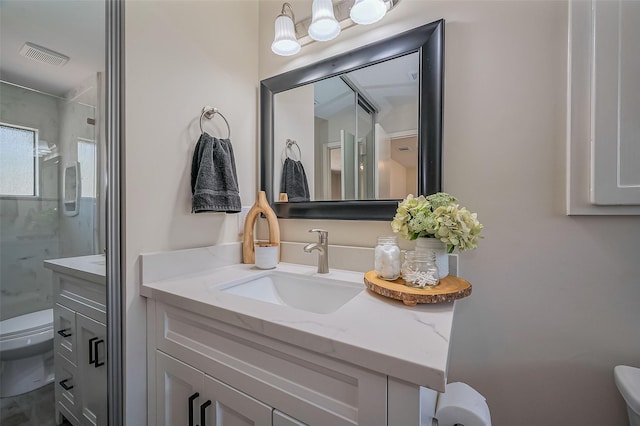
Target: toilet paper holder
column 462, row 405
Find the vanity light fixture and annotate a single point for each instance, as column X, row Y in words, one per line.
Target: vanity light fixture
column 327, row 19
column 324, row 26
column 285, row 42
column 365, row 12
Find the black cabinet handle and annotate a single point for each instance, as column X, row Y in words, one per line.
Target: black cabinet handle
column 191, row 399
column 98, row 363
column 93, row 352
column 64, row 384
column 64, row 333
column 203, row 407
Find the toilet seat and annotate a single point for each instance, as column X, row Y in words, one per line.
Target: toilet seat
column 628, row 381
column 26, row 330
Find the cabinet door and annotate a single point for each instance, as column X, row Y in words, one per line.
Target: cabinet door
column 281, row 419
column 227, row 406
column 92, row 370
column 179, row 392
column 64, row 322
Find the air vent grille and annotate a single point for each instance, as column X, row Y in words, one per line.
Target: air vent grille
column 44, row 55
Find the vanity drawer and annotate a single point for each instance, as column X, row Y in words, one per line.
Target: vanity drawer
column 310, row 387
column 64, row 338
column 87, row 297
column 66, row 389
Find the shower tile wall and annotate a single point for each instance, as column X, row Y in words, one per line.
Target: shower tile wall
column 29, row 225
column 32, row 229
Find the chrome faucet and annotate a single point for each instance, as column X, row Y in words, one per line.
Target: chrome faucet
column 323, row 250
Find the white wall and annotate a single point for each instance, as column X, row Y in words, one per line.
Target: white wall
column 180, row 56
column 555, row 299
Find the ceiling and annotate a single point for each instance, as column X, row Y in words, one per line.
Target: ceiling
column 75, row 28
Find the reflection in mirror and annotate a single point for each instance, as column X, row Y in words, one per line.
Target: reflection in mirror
column 367, row 126
column 358, row 132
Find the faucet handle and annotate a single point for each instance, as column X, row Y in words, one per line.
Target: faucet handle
column 323, row 235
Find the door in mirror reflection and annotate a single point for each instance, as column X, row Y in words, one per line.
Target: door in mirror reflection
column 357, row 132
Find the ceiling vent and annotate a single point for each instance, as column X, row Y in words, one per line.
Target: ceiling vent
column 44, row 55
column 404, row 149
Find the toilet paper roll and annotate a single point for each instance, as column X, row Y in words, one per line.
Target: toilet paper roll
column 462, row 405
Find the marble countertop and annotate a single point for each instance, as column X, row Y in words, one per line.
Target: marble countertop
column 383, row 335
column 90, row 268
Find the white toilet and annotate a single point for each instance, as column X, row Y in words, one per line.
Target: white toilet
column 26, row 352
column 628, row 382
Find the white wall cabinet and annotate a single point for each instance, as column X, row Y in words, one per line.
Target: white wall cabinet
column 603, row 156
column 238, row 377
column 80, row 347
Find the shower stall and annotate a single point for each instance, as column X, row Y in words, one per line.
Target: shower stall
column 46, row 211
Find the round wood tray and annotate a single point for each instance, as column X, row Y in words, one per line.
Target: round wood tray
column 449, row 289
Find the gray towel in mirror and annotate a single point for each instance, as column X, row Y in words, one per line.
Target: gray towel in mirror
column 214, row 182
column 294, row 181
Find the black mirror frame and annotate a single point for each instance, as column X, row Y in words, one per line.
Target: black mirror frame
column 428, row 40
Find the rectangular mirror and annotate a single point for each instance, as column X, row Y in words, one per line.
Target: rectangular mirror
column 348, row 137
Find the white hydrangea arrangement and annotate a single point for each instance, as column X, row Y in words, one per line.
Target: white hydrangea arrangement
column 437, row 216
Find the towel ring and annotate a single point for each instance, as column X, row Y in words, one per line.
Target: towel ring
column 208, row 113
column 289, row 149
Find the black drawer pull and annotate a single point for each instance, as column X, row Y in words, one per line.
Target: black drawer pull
column 203, row 407
column 92, row 357
column 191, row 399
column 64, row 333
column 64, row 384
column 93, row 352
column 98, row 363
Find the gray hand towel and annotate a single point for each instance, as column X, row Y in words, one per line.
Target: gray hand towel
column 294, row 181
column 214, row 182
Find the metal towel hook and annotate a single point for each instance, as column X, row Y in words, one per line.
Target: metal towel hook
column 208, row 112
column 288, row 149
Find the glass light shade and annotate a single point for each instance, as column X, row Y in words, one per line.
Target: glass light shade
column 366, row 12
column 285, row 42
column 324, row 25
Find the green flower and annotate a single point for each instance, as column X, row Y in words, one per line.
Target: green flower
column 437, row 216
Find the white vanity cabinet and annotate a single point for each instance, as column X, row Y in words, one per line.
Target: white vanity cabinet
column 80, row 340
column 249, row 378
column 371, row 362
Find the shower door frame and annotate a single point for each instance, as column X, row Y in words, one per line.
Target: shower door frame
column 114, row 125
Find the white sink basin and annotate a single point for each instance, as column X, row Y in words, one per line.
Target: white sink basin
column 308, row 293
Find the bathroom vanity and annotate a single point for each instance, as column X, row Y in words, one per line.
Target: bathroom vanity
column 290, row 347
column 80, row 339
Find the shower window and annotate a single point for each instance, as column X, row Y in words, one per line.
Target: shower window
column 18, row 162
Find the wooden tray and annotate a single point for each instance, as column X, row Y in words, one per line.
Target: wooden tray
column 449, row 289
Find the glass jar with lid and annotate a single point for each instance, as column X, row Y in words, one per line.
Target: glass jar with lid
column 419, row 269
column 387, row 258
